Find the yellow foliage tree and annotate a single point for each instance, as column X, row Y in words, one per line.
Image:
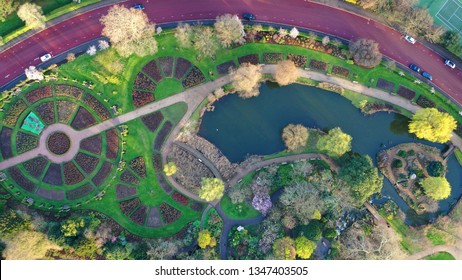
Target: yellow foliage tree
column 304, row 247
column 206, row 239
column 437, row 188
column 211, row 189
column 170, row 169
column 335, row 143
column 246, row 80
column 284, row 249
column 432, row 125
column 28, row 245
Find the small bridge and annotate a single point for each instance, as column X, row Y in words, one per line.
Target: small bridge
column 449, row 151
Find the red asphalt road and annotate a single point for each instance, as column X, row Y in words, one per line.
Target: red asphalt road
column 80, row 29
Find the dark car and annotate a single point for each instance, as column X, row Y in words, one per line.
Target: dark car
column 248, row 16
column 427, row 75
column 414, row 67
column 138, row 7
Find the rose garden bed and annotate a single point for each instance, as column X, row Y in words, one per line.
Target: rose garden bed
column 141, row 98
column 139, row 216
column 193, row 78
column 14, row 112
column 20, row 179
column 138, row 165
column 128, row 177
column 97, row 107
column 299, row 60
column 318, row 65
column 152, row 70
column 182, row 67
column 250, row 58
column 79, row 192
column 35, row 166
column 50, row 194
column 72, row 174
column 123, row 191
column 424, row 102
column 112, row 140
column 144, row 83
column 86, row 162
column 385, row 85
column 162, row 134
column 166, row 64
column 25, row 142
column 46, row 112
column 340, row 71
column 163, row 183
column 58, row 143
column 92, row 144
column 224, row 68
column 196, row 206
column 53, row 175
column 38, row 94
column 272, row 58
column 406, row 93
column 157, row 162
column 102, row 174
column 66, row 90
column 82, row 119
column 5, row 142
column 178, row 197
column 153, row 120
column 169, row 213
column 127, row 206
column 65, row 110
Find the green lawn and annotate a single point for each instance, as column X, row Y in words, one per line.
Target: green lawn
column 458, row 154
column 436, row 236
column 441, row 256
column 239, row 211
column 167, row 87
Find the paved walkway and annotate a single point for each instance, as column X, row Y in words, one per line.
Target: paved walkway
column 453, row 250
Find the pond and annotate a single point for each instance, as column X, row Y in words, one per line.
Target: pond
column 241, row 127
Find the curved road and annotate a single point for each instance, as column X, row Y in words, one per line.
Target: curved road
column 77, row 30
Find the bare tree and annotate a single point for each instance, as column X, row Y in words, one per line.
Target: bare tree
column 295, row 136
column 205, row 41
column 286, row 72
column 246, row 80
column 282, row 32
column 366, row 53
column 183, row 35
column 162, row 249
column 70, row 57
column 32, row 15
column 229, row 30
column 129, row 31
column 325, row 40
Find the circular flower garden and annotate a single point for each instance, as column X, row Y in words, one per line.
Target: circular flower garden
column 58, row 143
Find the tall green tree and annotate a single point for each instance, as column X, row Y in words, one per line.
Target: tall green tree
column 7, row 7
column 451, row 41
column 361, row 176
column 437, row 188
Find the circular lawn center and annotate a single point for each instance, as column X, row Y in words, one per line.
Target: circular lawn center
column 58, row 143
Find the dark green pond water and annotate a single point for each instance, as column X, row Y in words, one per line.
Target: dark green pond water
column 241, row 127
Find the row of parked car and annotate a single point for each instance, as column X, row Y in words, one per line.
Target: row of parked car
column 416, row 68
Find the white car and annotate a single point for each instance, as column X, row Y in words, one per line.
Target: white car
column 450, row 63
column 409, row 39
column 45, row 57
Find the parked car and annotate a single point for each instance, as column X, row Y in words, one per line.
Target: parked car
column 427, row 75
column 450, row 63
column 409, row 39
column 138, row 7
column 45, row 57
column 414, row 67
column 248, row 16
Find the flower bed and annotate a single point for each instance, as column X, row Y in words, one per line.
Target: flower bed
column 5, row 142
column 25, row 142
column 163, row 183
column 178, row 197
column 139, row 216
column 157, row 162
column 196, row 206
column 166, row 64
column 224, row 68
column 340, row 71
column 153, row 120
column 318, row 65
column 50, row 194
column 58, row 143
column 193, row 78
column 163, row 133
column 128, row 177
column 38, row 94
column 123, row 191
column 99, row 109
column 86, row 162
column 182, row 66
column 20, row 179
column 422, row 101
column 169, row 213
column 406, row 93
column 112, row 141
column 137, row 164
column 35, row 166
column 153, row 219
column 152, row 70
column 127, row 206
column 92, row 144
column 376, row 107
column 272, row 58
column 141, row 98
column 102, row 174
column 299, row 60
column 144, row 83
column 66, row 90
column 386, row 85
column 53, row 175
column 65, row 110
column 14, row 112
column 458, row 130
column 46, row 112
column 79, row 192
column 82, row 119
column 250, row 58
column 72, row 174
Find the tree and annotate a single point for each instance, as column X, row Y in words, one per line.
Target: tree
column 451, row 41
column 12, row 222
column 211, row 189
column 325, row 40
column 28, row 245
column 206, row 239
column 286, row 72
column 335, row 143
column 437, row 188
column 7, row 7
column 32, row 15
column 170, row 169
column 304, row 247
column 204, row 41
column 361, row 176
column 295, row 136
column 293, row 33
column 129, row 31
column 366, row 53
column 103, row 44
column 229, row 30
column 246, row 80
column 240, row 193
column 70, row 57
column 432, row 125
column 91, row 50
column 435, row 169
column 183, row 35
column 33, row 73
column 302, row 200
column 72, row 226
column 282, row 32
column 284, row 249
column 159, row 249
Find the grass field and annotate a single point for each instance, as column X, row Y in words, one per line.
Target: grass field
column 441, row 256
